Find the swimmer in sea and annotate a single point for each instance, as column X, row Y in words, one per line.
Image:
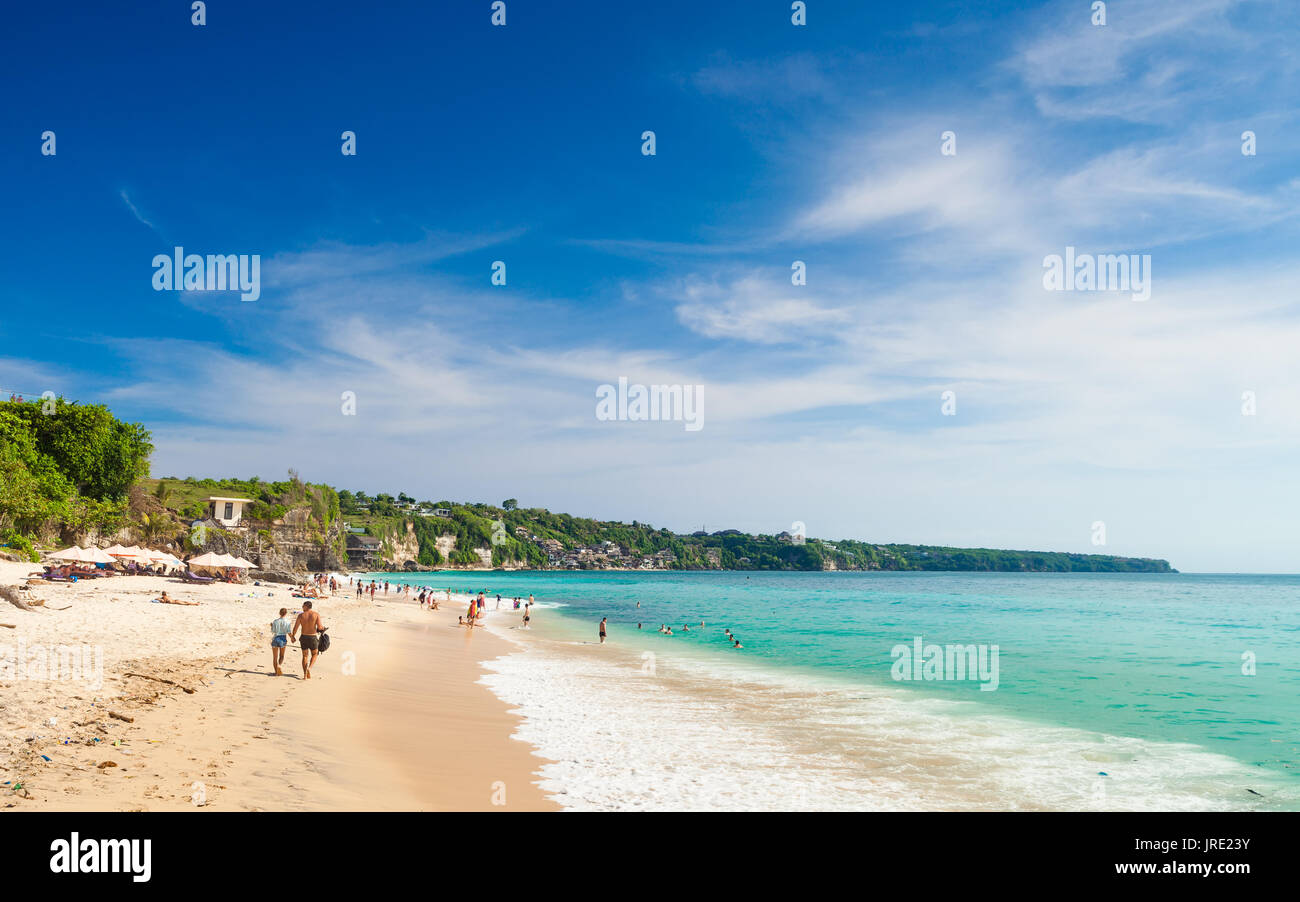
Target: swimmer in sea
column 737, row 645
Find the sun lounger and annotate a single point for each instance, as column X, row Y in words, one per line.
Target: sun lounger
column 192, row 577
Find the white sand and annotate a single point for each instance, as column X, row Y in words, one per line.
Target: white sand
column 408, row 728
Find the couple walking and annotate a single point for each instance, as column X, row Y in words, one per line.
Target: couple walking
column 283, row 632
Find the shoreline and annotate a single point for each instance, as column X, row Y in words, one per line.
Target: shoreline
column 715, row 732
column 395, row 717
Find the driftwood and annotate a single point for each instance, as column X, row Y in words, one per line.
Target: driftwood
column 142, row 676
column 10, row 594
column 116, row 716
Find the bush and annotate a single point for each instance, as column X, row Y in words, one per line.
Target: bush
column 19, row 544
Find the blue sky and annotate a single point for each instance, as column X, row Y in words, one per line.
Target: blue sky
column 775, row 143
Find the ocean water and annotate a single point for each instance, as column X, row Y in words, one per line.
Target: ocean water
column 1113, row 691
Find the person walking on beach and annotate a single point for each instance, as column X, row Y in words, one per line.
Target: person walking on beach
column 279, row 640
column 602, row 630
column 310, row 623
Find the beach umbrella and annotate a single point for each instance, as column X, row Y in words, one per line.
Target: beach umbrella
column 211, row 559
column 165, row 558
column 246, row 564
column 119, row 551
column 91, row 555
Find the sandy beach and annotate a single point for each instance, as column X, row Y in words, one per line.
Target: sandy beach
column 394, row 718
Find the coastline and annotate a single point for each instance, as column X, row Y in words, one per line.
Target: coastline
column 809, row 717
column 395, row 717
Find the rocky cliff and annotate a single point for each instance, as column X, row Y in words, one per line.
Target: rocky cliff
column 401, row 548
column 284, row 550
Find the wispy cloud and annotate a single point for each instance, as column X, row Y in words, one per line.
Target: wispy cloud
column 135, row 211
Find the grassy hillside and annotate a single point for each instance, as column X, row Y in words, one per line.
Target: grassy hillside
column 535, row 537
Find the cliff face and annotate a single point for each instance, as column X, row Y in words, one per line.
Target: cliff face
column 285, row 548
column 446, row 545
column 402, row 549
column 392, row 549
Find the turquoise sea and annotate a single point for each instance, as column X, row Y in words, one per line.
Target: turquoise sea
column 1166, row 691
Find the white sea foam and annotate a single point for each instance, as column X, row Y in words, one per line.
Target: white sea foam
column 701, row 736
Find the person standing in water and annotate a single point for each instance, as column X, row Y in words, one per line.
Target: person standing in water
column 602, row 630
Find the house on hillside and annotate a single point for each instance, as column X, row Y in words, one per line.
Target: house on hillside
column 229, row 512
column 364, row 552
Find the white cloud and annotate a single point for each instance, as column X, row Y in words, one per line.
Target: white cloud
column 756, row 308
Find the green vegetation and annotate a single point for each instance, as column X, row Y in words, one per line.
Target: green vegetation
column 66, row 467
column 271, row 501
column 18, row 544
column 536, row 537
